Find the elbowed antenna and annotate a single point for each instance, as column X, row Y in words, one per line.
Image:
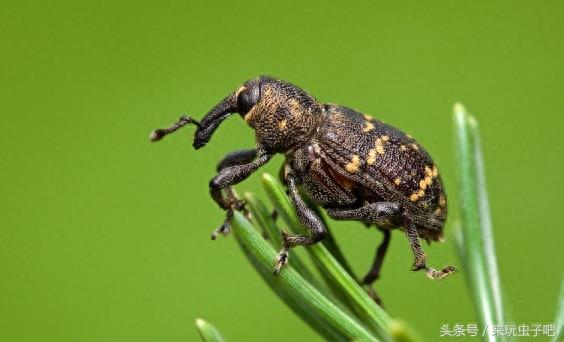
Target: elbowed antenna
column 206, row 126
column 160, row 133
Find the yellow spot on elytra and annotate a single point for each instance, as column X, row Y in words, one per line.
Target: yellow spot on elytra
column 409, row 136
column 385, row 138
column 367, row 117
column 435, row 171
column 422, row 184
column 353, row 165
column 282, row 125
column 371, row 157
column 369, row 127
column 438, row 211
column 379, row 146
column 415, row 147
column 421, row 193
column 442, row 201
column 414, row 197
column 403, row 148
column 397, row 181
column 380, row 149
column 428, row 171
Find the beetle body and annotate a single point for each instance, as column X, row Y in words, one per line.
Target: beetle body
column 354, row 166
column 357, row 160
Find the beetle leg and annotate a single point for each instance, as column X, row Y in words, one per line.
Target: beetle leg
column 232, row 159
column 374, row 273
column 231, row 175
column 380, row 213
column 307, row 218
column 237, row 158
column 420, row 257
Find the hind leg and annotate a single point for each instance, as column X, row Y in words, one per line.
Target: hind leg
column 374, row 272
column 419, row 262
column 380, row 213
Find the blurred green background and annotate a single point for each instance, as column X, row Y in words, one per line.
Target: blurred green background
column 105, row 237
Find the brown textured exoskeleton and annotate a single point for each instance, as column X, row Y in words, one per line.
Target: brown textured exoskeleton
column 354, row 166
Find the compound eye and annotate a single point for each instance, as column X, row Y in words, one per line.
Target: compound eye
column 248, row 97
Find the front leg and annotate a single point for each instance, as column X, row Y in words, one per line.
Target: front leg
column 231, row 175
column 238, row 157
column 234, row 158
column 307, row 218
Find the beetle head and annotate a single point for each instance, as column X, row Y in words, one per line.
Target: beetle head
column 281, row 114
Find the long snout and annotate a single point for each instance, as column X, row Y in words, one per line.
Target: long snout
column 211, row 121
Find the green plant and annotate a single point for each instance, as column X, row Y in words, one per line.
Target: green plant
column 336, row 306
column 208, row 332
column 475, row 235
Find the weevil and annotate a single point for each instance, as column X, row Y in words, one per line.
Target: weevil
column 352, row 165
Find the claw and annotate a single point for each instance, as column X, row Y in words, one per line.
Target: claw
column 224, row 229
column 434, row 274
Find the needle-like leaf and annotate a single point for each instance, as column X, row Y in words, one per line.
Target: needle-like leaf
column 263, row 255
column 477, row 236
column 353, row 294
column 264, row 220
column 208, row 332
column 559, row 320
